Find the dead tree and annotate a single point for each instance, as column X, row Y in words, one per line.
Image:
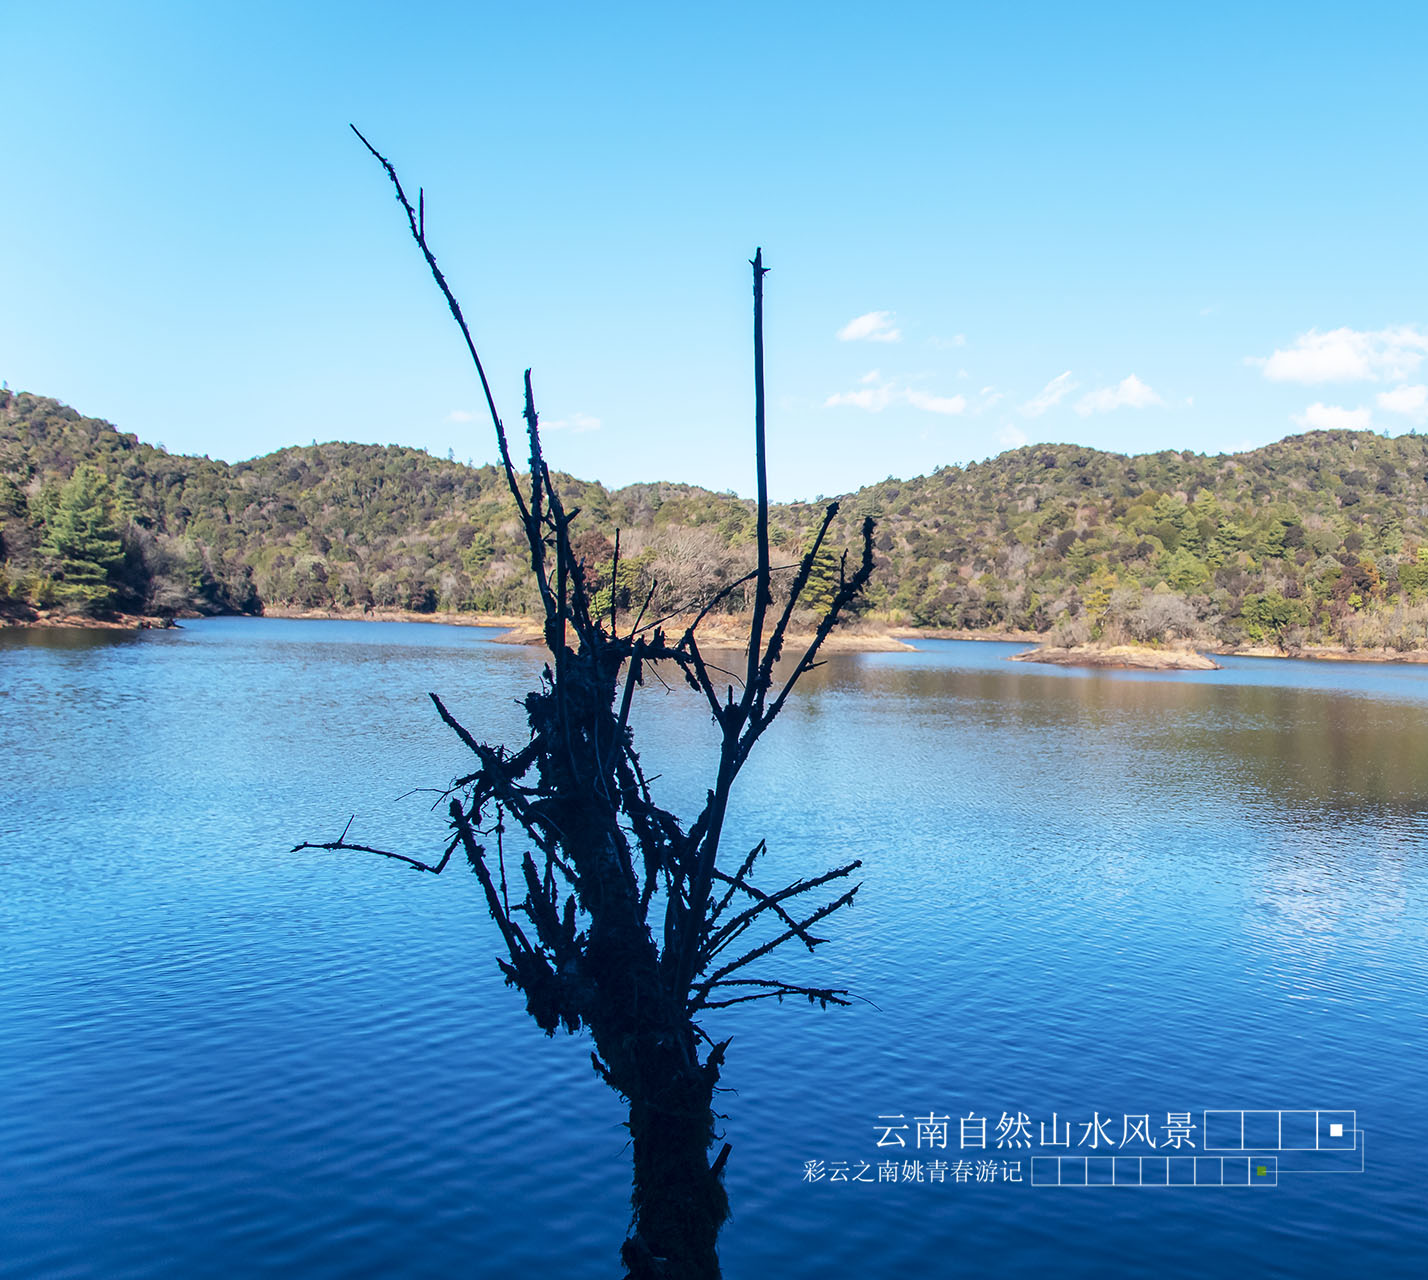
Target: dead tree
column 616, row 916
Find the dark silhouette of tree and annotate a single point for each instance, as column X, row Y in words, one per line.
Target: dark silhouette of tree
column 617, row 916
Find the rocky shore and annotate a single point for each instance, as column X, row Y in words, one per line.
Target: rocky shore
column 1121, row 656
column 717, row 631
column 24, row 616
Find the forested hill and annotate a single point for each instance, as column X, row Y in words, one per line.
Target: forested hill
column 1323, row 536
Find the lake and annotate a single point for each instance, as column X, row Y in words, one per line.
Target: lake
column 1087, row 898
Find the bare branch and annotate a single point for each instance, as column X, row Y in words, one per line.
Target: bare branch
column 737, row 880
column 759, row 952
column 847, row 593
column 417, row 225
column 339, row 843
column 772, row 989
column 724, row 593
column 720, row 938
column 805, row 568
column 455, row 725
column 762, row 597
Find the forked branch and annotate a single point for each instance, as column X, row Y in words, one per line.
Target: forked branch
column 601, row 851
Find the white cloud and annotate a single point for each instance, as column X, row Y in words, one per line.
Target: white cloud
column 947, row 344
column 1410, row 401
column 872, row 376
column 1129, row 393
column 575, row 422
column 1012, row 437
column 872, row 399
column 936, row 404
column 461, row 415
column 875, row 326
column 1330, row 417
column 1346, row 355
column 875, row 395
column 1052, row 393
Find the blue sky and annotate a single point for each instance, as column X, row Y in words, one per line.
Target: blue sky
column 1129, row 226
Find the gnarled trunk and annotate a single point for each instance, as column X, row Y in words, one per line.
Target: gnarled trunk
column 679, row 1201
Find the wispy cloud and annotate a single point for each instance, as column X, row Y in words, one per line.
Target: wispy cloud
column 875, row 394
column 1061, row 386
column 1331, row 417
column 461, row 415
column 948, row 344
column 1346, row 355
column 575, row 422
column 873, row 399
column 1013, row 437
column 1129, row 393
column 1412, row 402
column 935, row 404
column 874, row 326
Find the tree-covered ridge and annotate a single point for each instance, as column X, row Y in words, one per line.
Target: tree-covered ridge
column 1322, row 536
column 1315, row 537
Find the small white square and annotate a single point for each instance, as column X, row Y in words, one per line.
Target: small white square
column 1336, row 1131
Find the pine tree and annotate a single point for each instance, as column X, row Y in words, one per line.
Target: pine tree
column 82, row 542
column 823, row 583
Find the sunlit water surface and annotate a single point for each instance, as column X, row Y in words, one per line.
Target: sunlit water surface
column 1082, row 893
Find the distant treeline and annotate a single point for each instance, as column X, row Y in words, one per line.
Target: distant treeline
column 1321, row 537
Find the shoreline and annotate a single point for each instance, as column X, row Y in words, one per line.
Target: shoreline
column 726, row 633
column 996, row 635
column 26, row 618
column 1121, row 657
column 717, row 632
column 1328, row 653
column 516, row 628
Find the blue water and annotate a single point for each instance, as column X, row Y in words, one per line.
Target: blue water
column 1090, row 894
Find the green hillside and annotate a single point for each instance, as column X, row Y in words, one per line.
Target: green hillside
column 1320, row 537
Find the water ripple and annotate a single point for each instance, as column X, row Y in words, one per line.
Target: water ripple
column 1081, row 893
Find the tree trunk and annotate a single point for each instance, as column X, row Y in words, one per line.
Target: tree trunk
column 651, row 1055
column 679, row 1200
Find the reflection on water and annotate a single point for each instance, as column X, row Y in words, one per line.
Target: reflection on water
column 1084, row 891
column 62, row 639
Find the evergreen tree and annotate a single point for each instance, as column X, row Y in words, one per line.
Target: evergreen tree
column 83, row 543
column 822, row 579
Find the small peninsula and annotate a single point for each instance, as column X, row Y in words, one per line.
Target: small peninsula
column 1120, row 657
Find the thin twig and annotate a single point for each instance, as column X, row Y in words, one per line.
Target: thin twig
column 382, row 853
